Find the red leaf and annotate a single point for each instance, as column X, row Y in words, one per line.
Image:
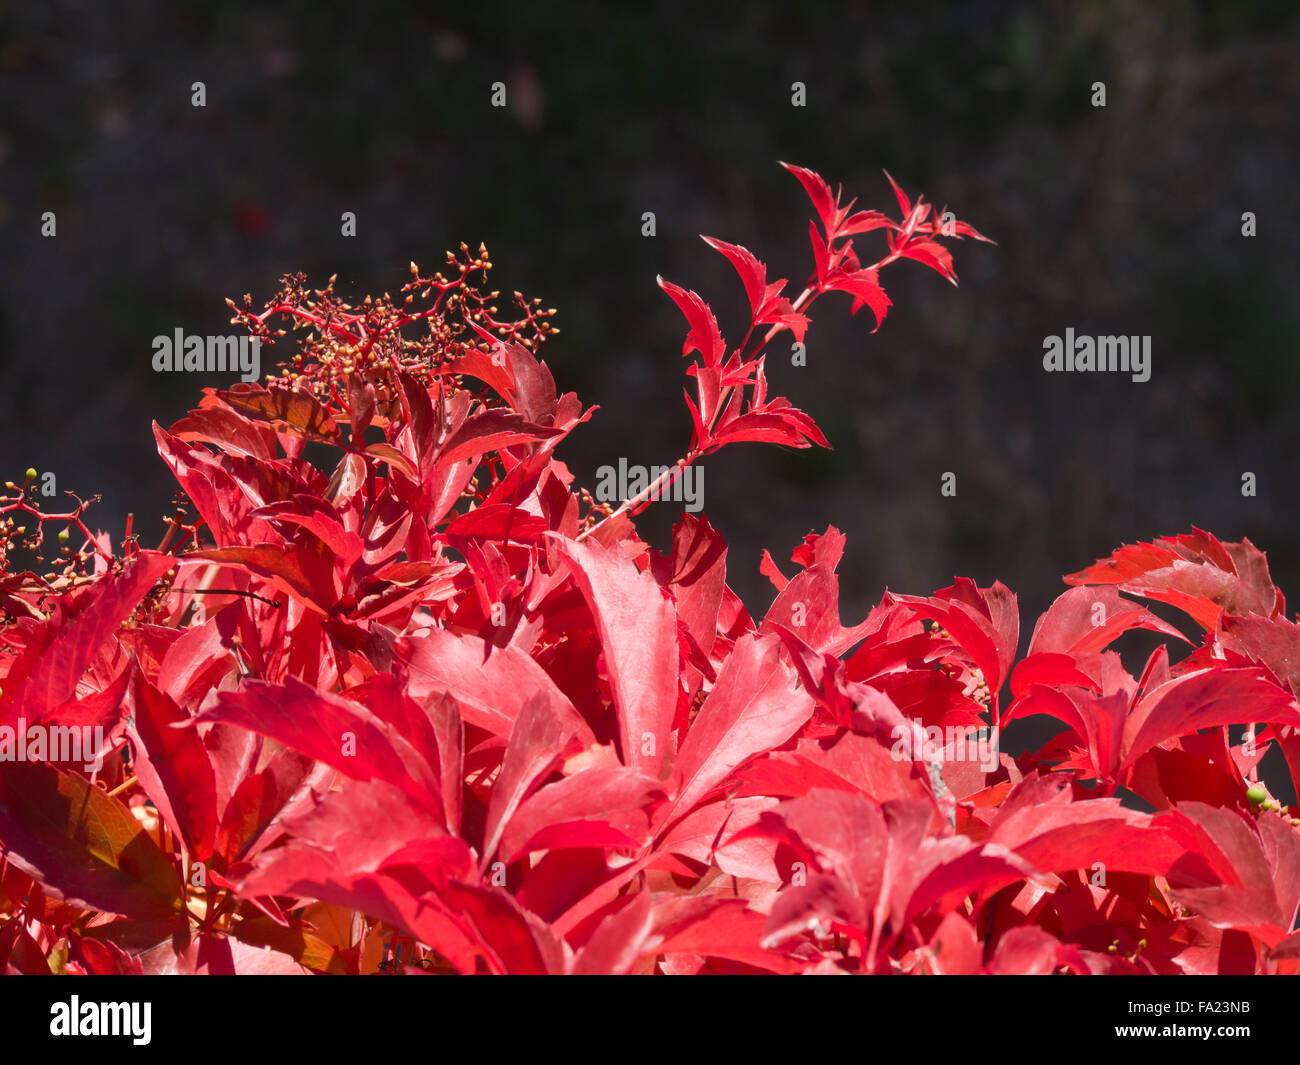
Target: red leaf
column 809, row 606
column 228, row 429
column 714, row 834
column 933, row 255
column 1097, row 721
column 790, row 427
column 615, row 945
column 531, row 387
column 513, row 940
column 498, row 521
column 209, row 484
column 537, row 741
column 755, row 705
column 1204, row 699
column 1050, row 669
column 46, row 673
column 320, row 519
column 304, row 571
column 768, row 568
column 491, row 430
column 704, row 336
column 347, row 835
column 752, row 272
column 490, row 683
column 637, row 628
column 984, row 621
column 262, row 799
column 1127, row 562
column 173, row 767
column 1030, row 951
column 713, row 927
column 864, row 287
column 1089, row 619
column 904, row 204
column 1258, row 863
column 332, row 730
column 1272, row 642
column 821, row 257
column 820, row 194
column 945, row 871
column 1040, row 823
column 866, row 221
column 20, row 954
column 575, row 811
column 695, row 574
column 1193, row 572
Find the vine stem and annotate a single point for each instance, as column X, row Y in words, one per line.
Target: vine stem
column 673, row 472
column 810, row 292
column 72, row 517
column 662, row 481
column 121, row 787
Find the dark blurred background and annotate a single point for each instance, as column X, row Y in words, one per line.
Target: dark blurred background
column 1117, row 220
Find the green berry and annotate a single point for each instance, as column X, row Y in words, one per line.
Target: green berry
column 63, row 536
column 31, row 473
column 1256, row 793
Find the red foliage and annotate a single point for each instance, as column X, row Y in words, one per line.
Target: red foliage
column 425, row 706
